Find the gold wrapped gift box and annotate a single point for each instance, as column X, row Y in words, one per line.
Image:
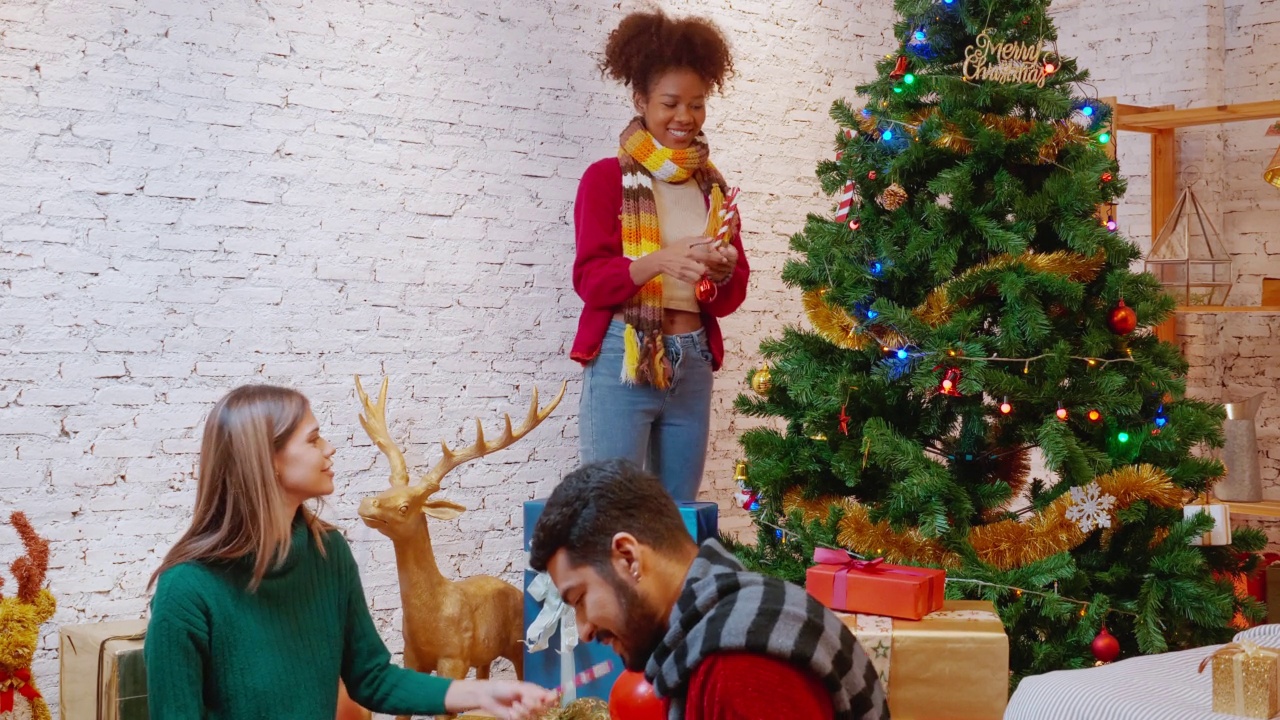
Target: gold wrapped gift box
column 103, row 676
column 953, row 662
column 1246, row 680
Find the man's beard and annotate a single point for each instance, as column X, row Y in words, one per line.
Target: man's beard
column 645, row 626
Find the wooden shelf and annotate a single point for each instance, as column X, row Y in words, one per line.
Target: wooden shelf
column 1264, row 508
column 1138, row 119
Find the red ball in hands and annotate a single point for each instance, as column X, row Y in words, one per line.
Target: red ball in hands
column 705, row 290
column 1106, row 647
column 633, row 698
column 1122, row 320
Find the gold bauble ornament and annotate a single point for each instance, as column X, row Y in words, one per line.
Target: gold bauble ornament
column 762, row 380
column 892, row 198
column 1272, row 173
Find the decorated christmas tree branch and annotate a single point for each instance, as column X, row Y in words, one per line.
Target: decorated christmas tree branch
column 1007, row 544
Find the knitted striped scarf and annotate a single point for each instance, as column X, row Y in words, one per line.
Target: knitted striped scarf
column 643, row 158
column 724, row 608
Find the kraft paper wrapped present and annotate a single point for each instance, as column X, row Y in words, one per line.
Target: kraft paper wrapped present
column 1246, row 680
column 952, row 663
column 103, row 675
column 874, row 586
column 554, row 655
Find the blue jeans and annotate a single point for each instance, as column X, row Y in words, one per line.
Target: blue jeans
column 664, row 431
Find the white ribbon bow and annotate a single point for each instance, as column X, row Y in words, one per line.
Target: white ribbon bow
column 538, row 637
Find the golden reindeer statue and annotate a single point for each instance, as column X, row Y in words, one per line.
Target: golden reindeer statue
column 449, row 627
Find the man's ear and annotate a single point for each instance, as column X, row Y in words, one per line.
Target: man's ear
column 626, row 555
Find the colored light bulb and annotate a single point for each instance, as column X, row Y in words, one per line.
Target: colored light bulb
column 919, row 35
column 1061, row 413
column 1122, row 436
column 947, row 384
column 908, row 78
column 1050, row 68
column 877, row 268
column 1087, row 111
column 872, row 314
column 888, row 135
column 1104, row 138
column 1005, row 408
column 1112, row 224
column 1094, row 416
column 854, row 224
column 902, row 353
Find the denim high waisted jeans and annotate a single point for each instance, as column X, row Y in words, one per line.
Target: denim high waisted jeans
column 664, row 431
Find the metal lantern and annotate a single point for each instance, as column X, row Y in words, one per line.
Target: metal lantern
column 1188, row 256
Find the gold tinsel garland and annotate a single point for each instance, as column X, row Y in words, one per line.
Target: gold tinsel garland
column 838, row 327
column 939, row 305
column 582, row 709
column 1006, row 544
column 841, row 329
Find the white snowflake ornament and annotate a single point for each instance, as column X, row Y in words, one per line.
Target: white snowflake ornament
column 1090, row 508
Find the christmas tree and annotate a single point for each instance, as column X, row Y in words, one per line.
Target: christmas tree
column 971, row 303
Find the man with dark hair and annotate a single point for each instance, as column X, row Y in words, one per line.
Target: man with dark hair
column 715, row 640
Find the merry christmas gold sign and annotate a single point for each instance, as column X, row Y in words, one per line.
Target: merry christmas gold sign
column 1007, row 62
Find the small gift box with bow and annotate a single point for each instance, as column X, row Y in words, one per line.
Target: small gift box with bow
column 1220, row 533
column 873, row 586
column 1246, row 680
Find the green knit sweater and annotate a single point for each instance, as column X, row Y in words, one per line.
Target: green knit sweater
column 214, row 650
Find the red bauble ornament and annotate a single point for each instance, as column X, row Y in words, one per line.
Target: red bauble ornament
column 871, row 175
column 633, row 698
column 1105, row 647
column 1122, row 320
column 705, row 290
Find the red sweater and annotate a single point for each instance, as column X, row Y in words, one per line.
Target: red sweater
column 743, row 686
column 602, row 275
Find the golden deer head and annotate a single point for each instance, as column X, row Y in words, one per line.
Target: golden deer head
column 391, row 511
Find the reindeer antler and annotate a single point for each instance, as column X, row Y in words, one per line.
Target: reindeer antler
column 451, row 459
column 31, row 568
column 375, row 426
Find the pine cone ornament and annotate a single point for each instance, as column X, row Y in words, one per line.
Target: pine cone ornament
column 892, row 198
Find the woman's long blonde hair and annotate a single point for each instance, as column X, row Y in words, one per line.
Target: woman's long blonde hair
column 239, row 502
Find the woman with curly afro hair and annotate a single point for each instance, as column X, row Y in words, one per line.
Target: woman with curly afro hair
column 649, row 267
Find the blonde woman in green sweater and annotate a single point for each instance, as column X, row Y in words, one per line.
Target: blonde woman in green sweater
column 258, row 609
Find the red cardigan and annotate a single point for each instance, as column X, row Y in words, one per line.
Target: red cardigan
column 602, row 275
column 742, row 686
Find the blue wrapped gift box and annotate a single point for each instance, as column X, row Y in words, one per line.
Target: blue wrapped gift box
column 543, row 667
column 702, row 519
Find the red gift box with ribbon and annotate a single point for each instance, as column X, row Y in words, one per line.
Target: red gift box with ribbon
column 873, row 586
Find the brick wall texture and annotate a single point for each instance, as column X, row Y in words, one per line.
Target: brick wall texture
column 196, row 194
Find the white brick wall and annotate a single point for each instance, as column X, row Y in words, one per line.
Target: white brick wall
column 198, row 194
column 195, row 195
